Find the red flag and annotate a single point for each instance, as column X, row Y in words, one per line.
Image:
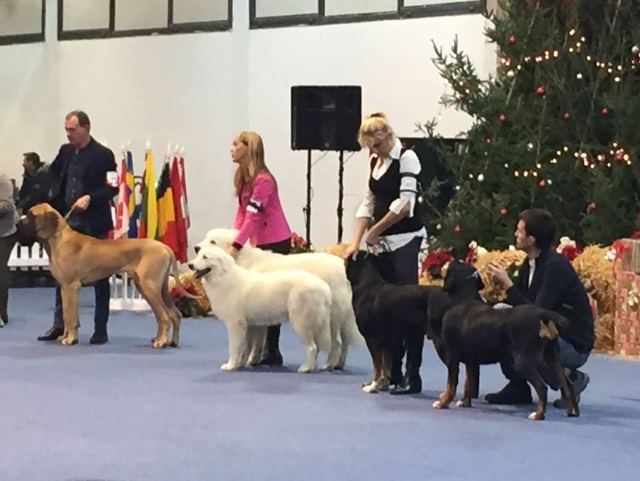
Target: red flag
column 166, row 217
column 178, row 199
column 185, row 201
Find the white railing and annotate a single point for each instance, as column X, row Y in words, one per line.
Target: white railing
column 28, row 258
column 124, row 295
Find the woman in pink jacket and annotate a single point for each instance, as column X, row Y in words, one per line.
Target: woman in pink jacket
column 259, row 217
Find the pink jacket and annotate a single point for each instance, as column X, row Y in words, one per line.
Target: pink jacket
column 259, row 216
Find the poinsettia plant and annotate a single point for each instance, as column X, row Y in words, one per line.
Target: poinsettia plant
column 435, row 260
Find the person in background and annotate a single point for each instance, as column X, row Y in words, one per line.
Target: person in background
column 259, row 216
column 547, row 280
column 8, row 220
column 36, row 185
column 85, row 180
column 394, row 230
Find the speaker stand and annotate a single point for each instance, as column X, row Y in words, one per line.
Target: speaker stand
column 340, row 193
column 307, row 209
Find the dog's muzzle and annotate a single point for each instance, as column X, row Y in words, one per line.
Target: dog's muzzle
column 201, row 272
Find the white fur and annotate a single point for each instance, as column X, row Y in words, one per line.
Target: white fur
column 330, row 268
column 245, row 299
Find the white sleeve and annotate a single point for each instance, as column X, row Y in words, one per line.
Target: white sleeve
column 366, row 206
column 409, row 170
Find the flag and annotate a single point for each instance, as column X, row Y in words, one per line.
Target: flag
column 121, row 224
column 185, row 202
column 134, row 204
column 178, row 199
column 148, row 226
column 166, row 213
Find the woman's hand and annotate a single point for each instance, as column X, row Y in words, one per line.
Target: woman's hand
column 350, row 250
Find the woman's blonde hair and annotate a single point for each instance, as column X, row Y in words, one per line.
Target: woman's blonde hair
column 252, row 164
column 374, row 129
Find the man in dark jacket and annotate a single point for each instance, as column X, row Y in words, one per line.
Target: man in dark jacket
column 36, row 185
column 85, row 180
column 548, row 280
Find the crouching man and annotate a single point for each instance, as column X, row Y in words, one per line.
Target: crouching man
column 548, row 280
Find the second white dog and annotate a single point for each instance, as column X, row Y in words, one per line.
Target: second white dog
column 242, row 298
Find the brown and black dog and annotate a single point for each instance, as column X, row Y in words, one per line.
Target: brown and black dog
column 386, row 312
column 474, row 333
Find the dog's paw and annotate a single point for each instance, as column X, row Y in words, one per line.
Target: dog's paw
column 535, row 416
column 227, row 366
column 463, row 403
column 438, row 405
column 304, row 369
column 572, row 413
column 159, row 344
column 68, row 340
column 327, row 367
column 370, row 388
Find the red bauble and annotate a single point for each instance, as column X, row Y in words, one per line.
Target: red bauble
column 542, row 183
column 591, row 207
column 619, row 157
column 605, row 111
column 512, row 39
column 461, row 96
column 457, row 229
column 541, row 90
column 503, row 211
column 566, row 115
column 502, row 118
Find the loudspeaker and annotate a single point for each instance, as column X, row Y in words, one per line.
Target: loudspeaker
column 325, row 117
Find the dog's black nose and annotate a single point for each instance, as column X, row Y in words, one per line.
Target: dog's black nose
column 197, row 249
column 190, row 265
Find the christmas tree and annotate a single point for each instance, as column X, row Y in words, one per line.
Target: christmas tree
column 555, row 127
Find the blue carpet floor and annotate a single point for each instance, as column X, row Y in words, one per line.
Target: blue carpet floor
column 126, row 412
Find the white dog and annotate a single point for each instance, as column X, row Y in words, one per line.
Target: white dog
column 242, row 298
column 330, row 268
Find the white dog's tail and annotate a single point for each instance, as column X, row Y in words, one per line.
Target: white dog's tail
column 323, row 330
column 350, row 332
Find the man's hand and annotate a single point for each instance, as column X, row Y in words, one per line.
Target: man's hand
column 499, row 275
column 82, row 203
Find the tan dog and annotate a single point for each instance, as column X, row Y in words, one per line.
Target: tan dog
column 77, row 259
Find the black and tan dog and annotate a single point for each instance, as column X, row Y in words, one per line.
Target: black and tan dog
column 526, row 336
column 386, row 313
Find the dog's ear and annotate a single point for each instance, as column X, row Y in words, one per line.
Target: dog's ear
column 46, row 222
column 50, row 223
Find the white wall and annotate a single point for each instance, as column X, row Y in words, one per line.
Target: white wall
column 200, row 89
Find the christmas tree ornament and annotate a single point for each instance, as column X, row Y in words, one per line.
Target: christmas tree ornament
column 541, row 90
column 529, row 146
column 605, row 111
column 457, row 229
column 635, row 50
column 503, row 211
column 502, row 118
column 512, row 39
column 542, row 183
column 579, row 76
column 511, row 74
column 480, row 177
column 565, row 116
column 591, row 207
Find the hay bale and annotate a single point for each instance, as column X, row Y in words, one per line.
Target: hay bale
column 598, row 276
column 511, row 260
column 336, row 249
